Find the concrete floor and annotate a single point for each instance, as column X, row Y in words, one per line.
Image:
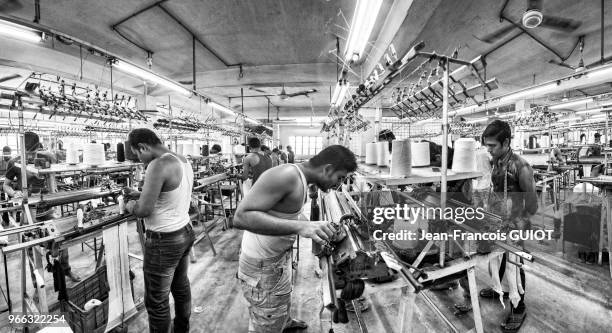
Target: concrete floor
column 563, row 295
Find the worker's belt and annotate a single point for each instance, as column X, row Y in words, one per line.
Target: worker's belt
column 163, row 235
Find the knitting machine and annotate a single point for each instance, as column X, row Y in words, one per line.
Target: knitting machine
column 353, row 256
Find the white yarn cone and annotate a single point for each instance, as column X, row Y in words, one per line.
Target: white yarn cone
column 401, row 158
column 420, row 154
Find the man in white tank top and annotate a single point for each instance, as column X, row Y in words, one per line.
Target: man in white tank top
column 164, row 205
column 271, row 215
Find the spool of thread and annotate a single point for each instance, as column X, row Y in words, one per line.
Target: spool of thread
column 120, row 152
column 197, row 150
column 371, row 153
column 80, row 217
column 93, row 154
column 121, row 201
column 382, row 153
column 129, row 155
column 464, row 157
column 420, row 154
column 72, row 154
column 401, row 158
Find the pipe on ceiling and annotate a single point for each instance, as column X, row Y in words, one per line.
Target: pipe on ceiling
column 179, row 22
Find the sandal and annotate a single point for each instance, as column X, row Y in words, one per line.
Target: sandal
column 490, row 293
column 514, row 322
column 462, row 309
column 295, row 324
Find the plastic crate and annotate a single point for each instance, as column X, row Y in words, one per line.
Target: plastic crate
column 93, row 321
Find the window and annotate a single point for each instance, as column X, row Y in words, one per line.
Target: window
column 306, row 145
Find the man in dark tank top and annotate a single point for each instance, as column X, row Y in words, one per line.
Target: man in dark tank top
column 256, row 162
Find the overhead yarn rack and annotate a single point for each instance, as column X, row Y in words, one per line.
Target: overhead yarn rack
column 61, row 99
column 423, row 100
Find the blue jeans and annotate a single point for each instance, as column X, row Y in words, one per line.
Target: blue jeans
column 166, row 260
column 266, row 285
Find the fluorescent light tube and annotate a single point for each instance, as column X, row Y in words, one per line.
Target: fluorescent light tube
column 150, row 76
column 221, row 108
column 20, row 32
column 602, row 71
column 476, row 120
column 570, row 104
column 252, row 121
column 588, row 111
column 536, row 91
column 364, row 18
column 570, row 119
column 339, row 93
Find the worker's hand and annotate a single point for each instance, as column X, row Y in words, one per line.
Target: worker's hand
column 319, row 231
column 17, row 194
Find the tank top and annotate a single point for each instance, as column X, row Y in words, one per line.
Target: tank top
column 264, row 246
column 171, row 210
column 265, row 163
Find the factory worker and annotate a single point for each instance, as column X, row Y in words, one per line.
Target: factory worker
column 290, row 155
column 164, row 205
column 254, row 164
column 272, row 215
column 282, row 155
column 215, row 150
column 36, row 185
column 514, row 198
column 275, row 156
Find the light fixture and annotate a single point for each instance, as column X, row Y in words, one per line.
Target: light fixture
column 525, row 93
column 339, row 93
column 20, row 32
column 570, row 104
column 476, row 120
column 150, row 76
column 600, row 71
column 589, row 111
column 570, row 119
column 221, row 108
column 252, row 121
column 598, row 116
column 364, row 18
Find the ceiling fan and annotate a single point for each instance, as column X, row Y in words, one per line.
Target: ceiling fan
column 533, row 17
column 284, row 95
